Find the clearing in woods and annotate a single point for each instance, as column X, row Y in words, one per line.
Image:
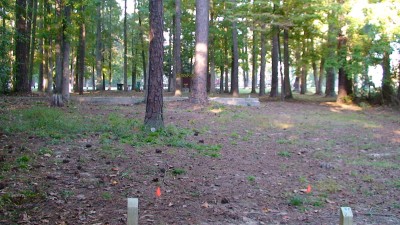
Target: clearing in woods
column 292, row 162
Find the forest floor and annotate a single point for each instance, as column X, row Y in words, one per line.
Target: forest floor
column 293, row 162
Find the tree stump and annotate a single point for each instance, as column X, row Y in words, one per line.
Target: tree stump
column 57, row 100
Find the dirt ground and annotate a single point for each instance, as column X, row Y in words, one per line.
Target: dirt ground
column 292, row 162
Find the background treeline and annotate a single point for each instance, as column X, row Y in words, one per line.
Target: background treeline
column 279, row 46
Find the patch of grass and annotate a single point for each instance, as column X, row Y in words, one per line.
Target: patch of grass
column 323, row 154
column 376, row 163
column 108, row 150
column 367, row 178
column 303, row 180
column 284, row 141
column 396, row 183
column 318, row 202
column 328, row 186
column 44, row 122
column 45, row 150
column 65, row 194
column 5, row 199
column 234, row 135
column 178, row 171
column 5, row 167
column 251, row 179
column 285, row 154
column 296, row 200
column 106, row 196
column 23, row 162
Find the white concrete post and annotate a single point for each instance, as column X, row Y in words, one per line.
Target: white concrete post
column 133, row 211
column 346, row 216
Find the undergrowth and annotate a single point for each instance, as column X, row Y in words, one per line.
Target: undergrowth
column 56, row 123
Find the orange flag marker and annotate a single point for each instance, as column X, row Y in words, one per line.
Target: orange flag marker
column 158, row 192
column 308, row 189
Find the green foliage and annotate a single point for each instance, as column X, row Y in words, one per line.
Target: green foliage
column 44, row 122
column 45, row 150
column 178, row 171
column 296, row 200
column 284, row 154
column 65, row 194
column 23, row 161
column 106, row 196
column 251, row 179
column 328, row 186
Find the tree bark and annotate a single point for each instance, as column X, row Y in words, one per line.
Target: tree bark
column 99, row 78
column 212, row 52
column 246, row 67
column 221, row 80
column 125, row 50
column 143, row 54
column 342, row 76
column 330, row 67
column 66, row 48
column 286, row 61
column 254, row 63
column 199, row 89
column 177, row 83
column 58, row 46
column 320, row 76
column 41, row 55
column 275, row 61
column 154, row 102
column 304, row 66
column 235, row 60
column 387, row 88
column 263, row 62
column 21, row 48
column 81, row 52
column 226, row 56
column 33, row 41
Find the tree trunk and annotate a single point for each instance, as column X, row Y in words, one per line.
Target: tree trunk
column 398, row 88
column 48, row 65
column 275, row 61
column 254, row 63
column 99, row 78
column 226, row 84
column 320, row 77
column 125, row 50
column 154, row 102
column 212, row 53
column 33, row 41
column 246, row 67
column 387, row 88
column 177, row 84
column 58, row 46
column 263, row 62
column 41, row 56
column 21, row 48
column 221, row 80
column 235, row 60
column 110, row 50
column 66, row 48
column 330, row 64
column 286, row 61
column 303, row 79
column 342, row 77
column 199, row 81
column 143, row 54
column 80, row 61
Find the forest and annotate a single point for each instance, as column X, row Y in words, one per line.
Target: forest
column 77, row 77
column 343, row 48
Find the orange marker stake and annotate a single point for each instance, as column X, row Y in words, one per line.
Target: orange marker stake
column 308, row 189
column 158, row 192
